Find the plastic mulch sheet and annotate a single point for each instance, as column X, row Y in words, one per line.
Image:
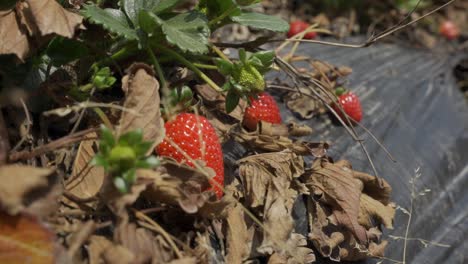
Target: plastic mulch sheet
column 412, row 104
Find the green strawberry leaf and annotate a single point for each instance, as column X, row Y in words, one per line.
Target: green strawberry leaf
column 148, row 163
column 141, row 148
column 265, row 57
column 148, row 22
column 188, row 31
column 261, row 21
column 232, row 100
column 225, row 67
column 133, row 8
column 63, row 50
column 166, row 5
column 131, row 138
column 99, row 160
column 113, row 20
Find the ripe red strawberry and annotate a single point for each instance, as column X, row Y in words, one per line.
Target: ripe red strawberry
column 197, row 138
column 263, row 108
column 449, row 30
column 350, row 104
column 297, row 27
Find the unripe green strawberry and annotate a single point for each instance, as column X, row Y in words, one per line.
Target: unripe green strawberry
column 250, row 78
column 122, row 156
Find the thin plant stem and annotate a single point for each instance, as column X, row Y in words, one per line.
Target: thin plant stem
column 222, row 16
column 191, row 66
column 157, row 67
column 205, row 66
column 220, row 53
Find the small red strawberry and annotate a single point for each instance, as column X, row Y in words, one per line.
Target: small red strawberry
column 297, row 27
column 449, row 30
column 350, row 104
column 197, row 138
column 263, row 108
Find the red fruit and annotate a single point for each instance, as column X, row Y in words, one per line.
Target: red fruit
column 193, row 134
column 297, row 27
column 263, row 108
column 449, row 30
column 351, row 106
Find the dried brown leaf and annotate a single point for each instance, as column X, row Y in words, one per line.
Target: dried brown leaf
column 290, row 129
column 331, row 236
column 20, row 185
column 49, row 17
column 142, row 96
column 139, row 241
column 337, row 188
column 238, row 239
column 378, row 189
column 85, row 181
column 372, row 210
column 303, row 105
column 295, row 252
column 267, row 180
column 280, row 143
column 23, row 239
column 97, row 246
column 14, row 37
column 186, row 260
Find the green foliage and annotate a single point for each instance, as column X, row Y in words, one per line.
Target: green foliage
column 113, row 20
column 123, row 156
column 245, row 77
column 181, row 95
column 63, row 50
column 188, row 31
column 7, row 4
column 102, row 78
column 261, row 21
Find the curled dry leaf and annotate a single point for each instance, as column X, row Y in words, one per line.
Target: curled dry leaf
column 177, row 184
column 303, row 105
column 335, row 186
column 85, row 181
column 102, row 250
column 328, row 75
column 345, row 205
column 372, row 210
column 296, row 252
column 280, row 143
column 36, row 18
column 239, row 239
column 21, row 185
column 291, row 129
column 267, row 180
column 48, row 17
column 14, row 37
column 23, row 239
column 142, row 243
column 142, row 96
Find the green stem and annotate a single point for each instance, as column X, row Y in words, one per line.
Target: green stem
column 222, row 16
column 191, row 66
column 205, row 66
column 123, row 53
column 220, row 53
column 86, row 88
column 156, row 65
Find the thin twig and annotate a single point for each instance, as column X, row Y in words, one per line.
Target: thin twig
column 54, row 145
column 371, row 40
column 157, row 228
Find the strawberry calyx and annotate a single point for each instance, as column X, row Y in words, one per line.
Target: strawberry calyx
column 340, row 91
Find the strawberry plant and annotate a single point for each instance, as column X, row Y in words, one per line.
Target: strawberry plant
column 122, row 156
